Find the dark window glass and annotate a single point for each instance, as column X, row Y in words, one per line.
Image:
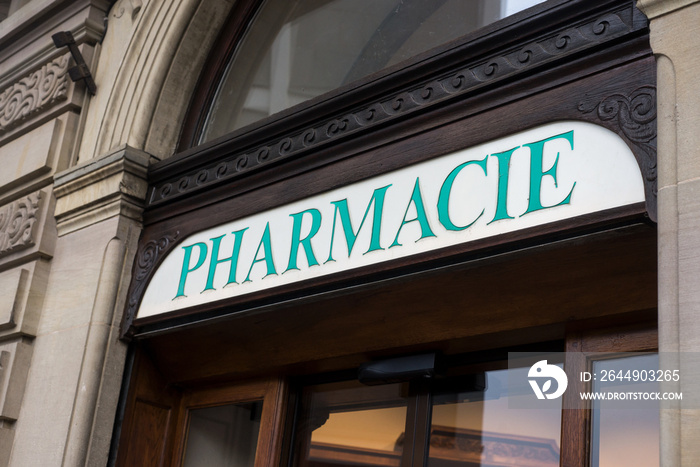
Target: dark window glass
column 296, row 50
column 479, row 428
column 350, row 424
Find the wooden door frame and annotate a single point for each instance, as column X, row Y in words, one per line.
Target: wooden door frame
column 271, row 391
column 583, row 347
column 157, row 412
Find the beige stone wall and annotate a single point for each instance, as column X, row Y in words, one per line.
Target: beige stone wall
column 675, row 39
column 60, row 360
column 39, row 120
column 151, row 59
column 72, row 182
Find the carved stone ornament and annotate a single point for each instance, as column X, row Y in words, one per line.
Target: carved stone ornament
column 34, row 93
column 634, row 118
column 17, row 223
column 466, row 79
column 146, row 260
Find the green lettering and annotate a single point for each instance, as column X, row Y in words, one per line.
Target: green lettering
column 186, row 269
column 443, row 204
column 537, row 173
column 305, row 242
column 214, row 261
column 421, row 217
column 503, row 173
column 341, row 208
column 266, row 244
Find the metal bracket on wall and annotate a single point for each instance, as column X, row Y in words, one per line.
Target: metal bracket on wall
column 80, row 71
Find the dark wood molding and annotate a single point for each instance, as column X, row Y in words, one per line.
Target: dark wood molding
column 586, row 342
column 513, row 298
column 333, row 167
column 155, row 428
column 228, row 158
column 634, row 115
column 273, row 392
column 150, row 423
column 149, row 255
column 454, row 125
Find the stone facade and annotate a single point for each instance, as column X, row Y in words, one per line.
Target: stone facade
column 71, row 188
column 72, row 181
column 40, row 110
column 675, row 25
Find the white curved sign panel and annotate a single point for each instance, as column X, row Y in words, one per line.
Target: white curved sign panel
column 547, row 174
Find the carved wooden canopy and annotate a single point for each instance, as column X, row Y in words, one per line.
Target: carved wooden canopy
column 564, row 60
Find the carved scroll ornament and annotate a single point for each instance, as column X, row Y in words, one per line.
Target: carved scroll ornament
column 17, row 223
column 146, row 260
column 33, row 93
column 634, row 118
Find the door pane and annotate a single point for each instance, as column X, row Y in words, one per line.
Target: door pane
column 223, row 436
column 472, row 427
column 625, row 432
column 351, row 424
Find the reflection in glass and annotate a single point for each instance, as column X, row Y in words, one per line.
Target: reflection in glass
column 297, row 50
column 625, row 433
column 351, row 424
column 223, row 436
column 477, row 428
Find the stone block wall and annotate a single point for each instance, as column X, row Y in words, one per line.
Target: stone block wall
column 40, row 109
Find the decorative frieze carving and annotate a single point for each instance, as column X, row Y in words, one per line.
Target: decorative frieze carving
column 17, row 223
column 467, row 79
column 34, row 93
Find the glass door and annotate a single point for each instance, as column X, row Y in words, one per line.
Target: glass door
column 465, row 413
column 461, row 420
column 477, row 426
column 479, row 413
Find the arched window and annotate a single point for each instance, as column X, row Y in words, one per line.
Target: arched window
column 294, row 51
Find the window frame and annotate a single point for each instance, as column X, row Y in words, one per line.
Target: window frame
column 475, row 45
column 405, row 92
column 271, row 392
column 583, row 345
column 244, row 15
